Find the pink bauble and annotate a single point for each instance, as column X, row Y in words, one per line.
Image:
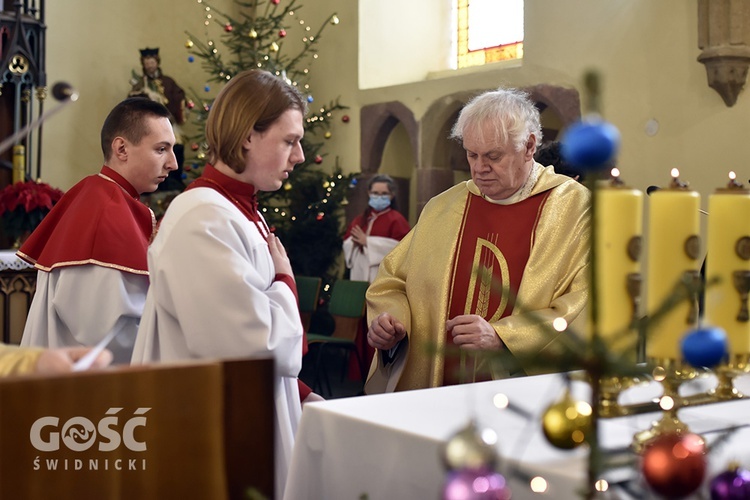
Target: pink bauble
column 475, row 484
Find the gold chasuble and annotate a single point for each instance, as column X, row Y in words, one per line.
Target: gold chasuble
column 493, row 248
column 464, row 245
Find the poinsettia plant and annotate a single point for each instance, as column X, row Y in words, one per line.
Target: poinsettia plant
column 23, row 205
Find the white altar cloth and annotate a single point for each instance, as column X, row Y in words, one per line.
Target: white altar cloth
column 388, row 446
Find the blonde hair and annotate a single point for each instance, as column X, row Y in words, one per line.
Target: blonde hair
column 252, row 100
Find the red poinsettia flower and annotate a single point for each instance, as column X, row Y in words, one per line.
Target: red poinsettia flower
column 23, row 205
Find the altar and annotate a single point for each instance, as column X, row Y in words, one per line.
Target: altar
column 388, row 446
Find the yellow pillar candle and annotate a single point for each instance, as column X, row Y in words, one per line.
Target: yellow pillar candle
column 673, row 250
column 619, row 228
column 728, row 259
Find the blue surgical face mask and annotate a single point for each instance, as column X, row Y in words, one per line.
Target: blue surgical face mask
column 380, row 202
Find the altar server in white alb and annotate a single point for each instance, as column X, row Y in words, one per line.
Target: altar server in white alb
column 90, row 250
column 221, row 283
column 376, row 232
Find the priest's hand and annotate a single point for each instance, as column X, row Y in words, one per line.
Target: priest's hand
column 57, row 361
column 278, row 254
column 385, row 332
column 359, row 236
column 473, row 332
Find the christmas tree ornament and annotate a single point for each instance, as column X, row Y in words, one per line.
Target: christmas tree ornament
column 282, row 33
column 345, row 118
column 190, row 104
column 191, row 59
column 228, row 28
column 328, row 134
column 189, row 44
column 287, row 186
column 310, row 98
column 320, row 216
column 334, row 19
column 674, row 464
column 207, row 89
column 466, row 449
column 318, row 159
column 253, row 34
column 732, row 484
column 275, row 2
column 274, row 47
column 590, row 144
column 194, row 146
column 475, row 484
column 704, row 347
column 567, row 422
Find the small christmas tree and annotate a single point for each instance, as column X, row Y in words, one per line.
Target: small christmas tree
column 306, row 212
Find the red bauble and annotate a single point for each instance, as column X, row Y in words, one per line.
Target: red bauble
column 228, row 28
column 318, row 159
column 194, row 146
column 345, row 118
column 275, row 2
column 282, row 33
column 674, row 465
column 190, row 104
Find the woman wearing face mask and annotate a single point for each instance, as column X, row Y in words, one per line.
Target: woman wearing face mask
column 376, row 232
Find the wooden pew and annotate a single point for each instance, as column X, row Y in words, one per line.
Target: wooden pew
column 202, row 430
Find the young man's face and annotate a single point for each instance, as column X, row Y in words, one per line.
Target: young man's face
column 270, row 156
column 150, row 161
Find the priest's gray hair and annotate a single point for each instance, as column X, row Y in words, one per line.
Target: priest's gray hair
column 509, row 114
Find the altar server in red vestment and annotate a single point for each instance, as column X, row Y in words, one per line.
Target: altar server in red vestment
column 222, row 285
column 491, row 262
column 373, row 234
column 90, row 249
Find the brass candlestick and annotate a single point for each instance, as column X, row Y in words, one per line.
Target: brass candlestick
column 671, row 374
column 726, row 373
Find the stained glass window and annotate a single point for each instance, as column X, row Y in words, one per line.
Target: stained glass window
column 488, row 31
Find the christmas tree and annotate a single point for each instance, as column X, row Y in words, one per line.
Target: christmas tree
column 306, row 213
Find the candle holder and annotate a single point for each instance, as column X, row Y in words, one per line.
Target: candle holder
column 611, row 388
column 671, row 374
column 726, row 373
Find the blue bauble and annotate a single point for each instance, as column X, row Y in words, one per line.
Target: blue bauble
column 590, row 145
column 191, row 58
column 310, row 98
column 704, row 347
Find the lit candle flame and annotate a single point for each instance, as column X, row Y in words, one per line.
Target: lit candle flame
column 615, row 172
column 732, row 175
column 675, row 173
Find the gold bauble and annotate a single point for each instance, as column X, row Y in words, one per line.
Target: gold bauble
column 467, row 450
column 274, row 47
column 189, row 44
column 287, row 186
column 567, row 422
column 327, row 135
column 253, row 34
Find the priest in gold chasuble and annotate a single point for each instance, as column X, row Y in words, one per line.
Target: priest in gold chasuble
column 490, row 263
